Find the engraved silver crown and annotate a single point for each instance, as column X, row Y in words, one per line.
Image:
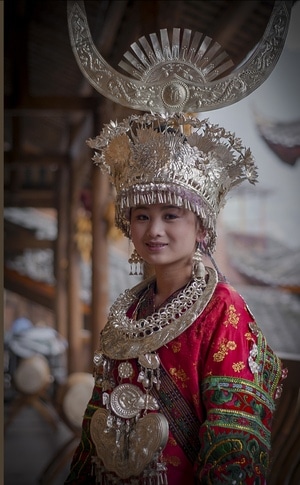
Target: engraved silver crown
column 180, row 71
column 174, row 159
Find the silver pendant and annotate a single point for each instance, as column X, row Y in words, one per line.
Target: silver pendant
column 125, row 370
column 149, row 360
column 130, row 455
column 127, row 401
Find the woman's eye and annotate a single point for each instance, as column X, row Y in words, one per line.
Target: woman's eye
column 171, row 216
column 141, row 217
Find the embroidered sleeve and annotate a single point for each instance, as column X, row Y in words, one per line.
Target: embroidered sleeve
column 239, row 385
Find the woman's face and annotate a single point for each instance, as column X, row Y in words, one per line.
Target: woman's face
column 165, row 234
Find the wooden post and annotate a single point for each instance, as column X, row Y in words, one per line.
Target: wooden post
column 100, row 277
column 61, row 248
column 75, row 316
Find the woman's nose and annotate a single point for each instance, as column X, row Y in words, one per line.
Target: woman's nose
column 155, row 227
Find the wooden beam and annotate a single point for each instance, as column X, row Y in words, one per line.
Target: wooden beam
column 29, row 198
column 16, row 159
column 36, row 291
column 24, row 241
column 42, row 105
column 111, row 26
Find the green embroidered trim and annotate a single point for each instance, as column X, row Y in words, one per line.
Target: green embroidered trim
column 238, row 404
column 227, row 418
column 232, row 457
column 236, row 385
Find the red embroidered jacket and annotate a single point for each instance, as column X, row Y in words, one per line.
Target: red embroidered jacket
column 230, row 378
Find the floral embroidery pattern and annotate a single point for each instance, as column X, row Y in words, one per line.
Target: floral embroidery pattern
column 238, row 366
column 176, row 347
column 173, row 460
column 196, row 400
column 249, row 336
column 225, row 346
column 232, row 317
column 179, row 375
column 172, row 441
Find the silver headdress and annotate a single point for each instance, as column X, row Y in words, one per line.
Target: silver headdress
column 174, row 159
column 167, row 156
column 178, row 74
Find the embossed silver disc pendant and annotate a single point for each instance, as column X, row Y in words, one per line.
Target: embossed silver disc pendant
column 127, row 401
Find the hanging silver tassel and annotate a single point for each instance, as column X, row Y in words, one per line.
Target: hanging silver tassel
column 136, row 264
column 198, row 271
column 155, row 473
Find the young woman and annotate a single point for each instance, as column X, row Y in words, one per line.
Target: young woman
column 185, row 383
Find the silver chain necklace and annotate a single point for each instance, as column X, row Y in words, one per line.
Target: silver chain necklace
column 125, row 337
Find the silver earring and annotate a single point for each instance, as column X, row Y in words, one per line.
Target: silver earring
column 198, row 271
column 136, row 263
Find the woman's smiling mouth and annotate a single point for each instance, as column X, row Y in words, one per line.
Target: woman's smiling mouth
column 155, row 246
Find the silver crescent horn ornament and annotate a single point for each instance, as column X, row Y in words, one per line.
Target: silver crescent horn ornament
column 177, row 71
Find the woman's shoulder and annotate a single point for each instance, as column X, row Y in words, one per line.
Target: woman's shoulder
column 227, row 293
column 226, row 300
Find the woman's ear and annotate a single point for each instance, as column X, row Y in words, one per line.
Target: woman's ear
column 201, row 232
column 201, row 237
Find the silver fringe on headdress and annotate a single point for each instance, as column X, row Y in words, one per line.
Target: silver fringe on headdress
column 172, row 159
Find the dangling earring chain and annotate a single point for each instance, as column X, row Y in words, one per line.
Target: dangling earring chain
column 136, row 263
column 220, row 275
column 198, row 271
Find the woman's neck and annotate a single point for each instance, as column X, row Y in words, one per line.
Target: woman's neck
column 168, row 282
